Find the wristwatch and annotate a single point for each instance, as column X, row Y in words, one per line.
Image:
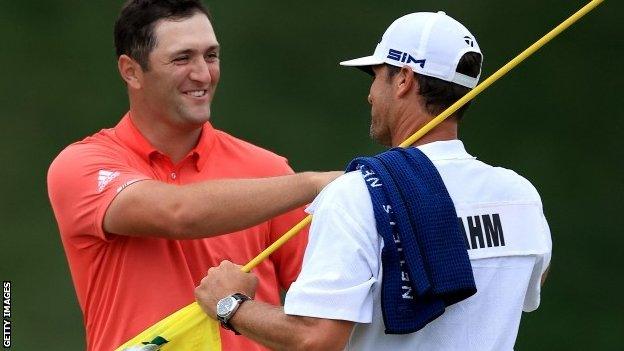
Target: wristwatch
column 227, row 306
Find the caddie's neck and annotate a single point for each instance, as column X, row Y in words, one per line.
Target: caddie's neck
column 398, row 110
column 410, row 124
column 175, row 141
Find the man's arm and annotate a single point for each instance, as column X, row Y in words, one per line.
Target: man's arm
column 208, row 208
column 544, row 275
column 267, row 324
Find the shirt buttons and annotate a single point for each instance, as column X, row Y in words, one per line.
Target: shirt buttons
column 173, row 175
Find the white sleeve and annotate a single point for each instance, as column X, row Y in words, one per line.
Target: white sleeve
column 341, row 261
column 532, row 297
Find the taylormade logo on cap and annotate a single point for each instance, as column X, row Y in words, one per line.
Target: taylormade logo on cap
column 429, row 43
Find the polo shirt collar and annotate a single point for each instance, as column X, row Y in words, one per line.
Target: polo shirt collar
column 445, row 150
column 204, row 145
column 130, row 135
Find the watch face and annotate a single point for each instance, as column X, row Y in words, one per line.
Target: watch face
column 225, row 306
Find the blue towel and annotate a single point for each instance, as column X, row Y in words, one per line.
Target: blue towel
column 425, row 263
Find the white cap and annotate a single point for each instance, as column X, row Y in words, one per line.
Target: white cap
column 430, row 43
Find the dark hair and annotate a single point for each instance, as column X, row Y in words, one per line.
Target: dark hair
column 134, row 28
column 440, row 94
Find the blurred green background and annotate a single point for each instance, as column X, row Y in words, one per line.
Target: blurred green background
column 555, row 120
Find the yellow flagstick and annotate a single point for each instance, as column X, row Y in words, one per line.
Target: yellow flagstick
column 179, row 323
column 277, row 244
column 444, row 115
column 501, row 72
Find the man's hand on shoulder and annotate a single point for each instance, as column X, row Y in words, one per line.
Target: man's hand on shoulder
column 322, row 179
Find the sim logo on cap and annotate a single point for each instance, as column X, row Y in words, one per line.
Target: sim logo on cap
column 397, row 55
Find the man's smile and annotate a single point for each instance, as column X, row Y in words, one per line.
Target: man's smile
column 197, row 93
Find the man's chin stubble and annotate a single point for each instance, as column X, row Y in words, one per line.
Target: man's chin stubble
column 384, row 140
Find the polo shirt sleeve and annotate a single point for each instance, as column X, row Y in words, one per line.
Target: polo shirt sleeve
column 82, row 182
column 341, row 262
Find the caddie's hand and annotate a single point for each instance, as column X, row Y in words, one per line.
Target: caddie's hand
column 222, row 281
column 324, row 178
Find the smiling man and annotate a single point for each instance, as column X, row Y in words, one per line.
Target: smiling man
column 128, row 199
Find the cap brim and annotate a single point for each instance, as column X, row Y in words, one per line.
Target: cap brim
column 363, row 63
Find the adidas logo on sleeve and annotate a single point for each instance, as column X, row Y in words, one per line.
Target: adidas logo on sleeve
column 104, row 178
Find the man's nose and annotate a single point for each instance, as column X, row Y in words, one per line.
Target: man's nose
column 201, row 71
column 370, row 100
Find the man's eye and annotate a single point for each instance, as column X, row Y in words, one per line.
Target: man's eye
column 180, row 59
column 212, row 56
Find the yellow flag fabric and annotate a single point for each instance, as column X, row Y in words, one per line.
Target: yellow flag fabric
column 188, row 329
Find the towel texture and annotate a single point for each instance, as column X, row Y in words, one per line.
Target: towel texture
column 424, row 259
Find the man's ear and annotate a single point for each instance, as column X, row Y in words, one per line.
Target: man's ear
column 405, row 81
column 130, row 71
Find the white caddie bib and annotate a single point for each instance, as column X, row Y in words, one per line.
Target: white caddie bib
column 503, row 229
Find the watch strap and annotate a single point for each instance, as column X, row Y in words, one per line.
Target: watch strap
column 225, row 323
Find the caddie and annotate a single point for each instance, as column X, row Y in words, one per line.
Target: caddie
column 425, row 248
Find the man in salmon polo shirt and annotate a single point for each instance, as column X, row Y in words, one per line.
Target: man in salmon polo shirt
column 141, row 206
